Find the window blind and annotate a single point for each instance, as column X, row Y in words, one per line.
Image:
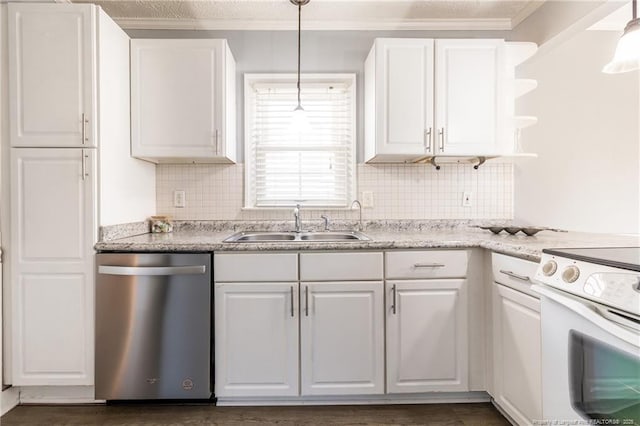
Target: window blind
column 314, row 166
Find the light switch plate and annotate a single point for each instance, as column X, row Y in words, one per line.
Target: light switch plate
column 467, row 199
column 367, row 199
column 179, row 198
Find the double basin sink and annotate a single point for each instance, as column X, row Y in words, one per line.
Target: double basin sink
column 290, row 236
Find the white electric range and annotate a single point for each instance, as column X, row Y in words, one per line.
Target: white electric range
column 590, row 310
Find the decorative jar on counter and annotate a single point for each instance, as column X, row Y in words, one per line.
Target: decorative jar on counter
column 161, row 224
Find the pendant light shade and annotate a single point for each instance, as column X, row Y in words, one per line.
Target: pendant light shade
column 627, row 56
column 299, row 119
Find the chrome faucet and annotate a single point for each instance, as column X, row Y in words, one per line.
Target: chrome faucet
column 296, row 217
column 360, row 210
column 326, row 222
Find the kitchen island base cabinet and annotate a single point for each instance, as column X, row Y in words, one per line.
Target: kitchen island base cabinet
column 516, row 322
column 256, row 349
column 427, row 347
column 342, row 338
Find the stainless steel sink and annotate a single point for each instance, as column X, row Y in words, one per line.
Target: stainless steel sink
column 333, row 236
column 265, row 237
column 250, row 237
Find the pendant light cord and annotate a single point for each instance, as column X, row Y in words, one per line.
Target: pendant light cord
column 299, row 31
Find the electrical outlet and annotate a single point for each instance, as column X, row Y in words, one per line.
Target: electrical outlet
column 367, row 199
column 179, row 198
column 467, row 199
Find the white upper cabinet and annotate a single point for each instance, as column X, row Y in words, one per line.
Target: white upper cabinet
column 51, row 75
column 183, row 101
column 399, row 99
column 469, row 98
column 426, row 98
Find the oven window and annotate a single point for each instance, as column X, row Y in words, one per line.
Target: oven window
column 604, row 381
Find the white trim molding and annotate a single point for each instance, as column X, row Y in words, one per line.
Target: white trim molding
column 333, row 25
column 8, row 400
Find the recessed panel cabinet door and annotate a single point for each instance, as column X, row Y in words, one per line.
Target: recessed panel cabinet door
column 469, row 96
column 177, row 97
column 517, row 354
column 342, row 338
column 51, row 69
column 427, row 347
column 405, row 89
column 52, row 207
column 256, row 339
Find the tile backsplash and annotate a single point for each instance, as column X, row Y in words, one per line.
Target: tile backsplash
column 400, row 191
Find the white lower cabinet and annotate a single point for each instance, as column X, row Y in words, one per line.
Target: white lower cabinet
column 427, row 347
column 342, row 338
column 53, row 193
column 256, row 352
column 516, row 331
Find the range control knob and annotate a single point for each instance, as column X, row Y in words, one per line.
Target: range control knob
column 570, row 274
column 549, row 268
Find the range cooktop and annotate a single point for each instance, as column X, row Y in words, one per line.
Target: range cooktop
column 615, row 257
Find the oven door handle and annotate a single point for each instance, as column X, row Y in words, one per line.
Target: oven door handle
column 591, row 315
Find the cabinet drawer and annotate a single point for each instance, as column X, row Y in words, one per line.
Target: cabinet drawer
column 513, row 272
column 255, row 267
column 426, row 264
column 340, row 266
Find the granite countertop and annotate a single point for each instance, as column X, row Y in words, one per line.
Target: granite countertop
column 530, row 248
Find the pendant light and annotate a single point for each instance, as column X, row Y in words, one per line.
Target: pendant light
column 299, row 119
column 627, row 56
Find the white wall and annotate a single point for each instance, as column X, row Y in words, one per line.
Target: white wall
column 587, row 175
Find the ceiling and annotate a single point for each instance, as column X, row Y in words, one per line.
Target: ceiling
column 320, row 14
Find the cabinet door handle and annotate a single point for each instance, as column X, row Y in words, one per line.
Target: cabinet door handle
column 85, row 139
column 441, row 133
column 306, row 301
column 292, row 314
column 514, row 275
column 427, row 140
column 393, row 301
column 84, row 165
column 217, row 145
column 428, row 265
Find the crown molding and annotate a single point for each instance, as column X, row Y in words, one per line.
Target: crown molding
column 527, row 11
column 334, row 25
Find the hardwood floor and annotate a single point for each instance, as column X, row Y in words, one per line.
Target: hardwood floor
column 428, row 414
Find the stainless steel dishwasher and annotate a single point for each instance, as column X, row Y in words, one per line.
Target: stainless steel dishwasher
column 153, row 326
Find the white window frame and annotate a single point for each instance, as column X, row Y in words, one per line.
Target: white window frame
column 251, row 79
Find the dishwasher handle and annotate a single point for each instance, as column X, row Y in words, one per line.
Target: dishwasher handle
column 152, row 270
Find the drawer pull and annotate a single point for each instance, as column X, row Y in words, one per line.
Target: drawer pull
column 428, row 265
column 514, row 275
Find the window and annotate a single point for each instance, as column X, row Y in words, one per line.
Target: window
column 284, row 166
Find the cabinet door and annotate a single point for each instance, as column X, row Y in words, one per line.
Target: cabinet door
column 469, row 110
column 256, row 339
column 427, row 347
column 51, row 84
column 52, row 237
column 517, row 356
column 342, row 338
column 177, row 98
column 404, row 90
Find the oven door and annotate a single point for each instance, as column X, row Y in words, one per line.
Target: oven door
column 590, row 363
